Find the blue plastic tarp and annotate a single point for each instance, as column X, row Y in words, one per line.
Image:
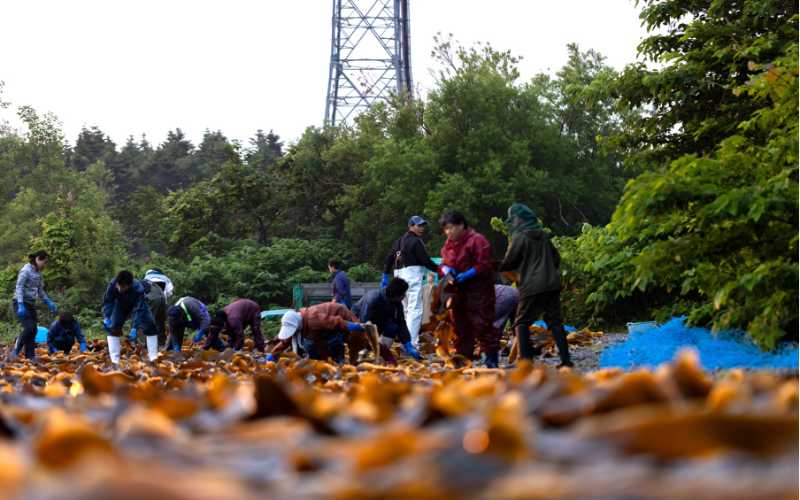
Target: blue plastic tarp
column 650, row 347
column 274, row 313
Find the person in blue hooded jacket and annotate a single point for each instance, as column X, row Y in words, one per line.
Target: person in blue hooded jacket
column 63, row 334
column 125, row 298
column 384, row 308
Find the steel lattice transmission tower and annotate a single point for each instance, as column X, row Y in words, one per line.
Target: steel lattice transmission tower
column 369, row 56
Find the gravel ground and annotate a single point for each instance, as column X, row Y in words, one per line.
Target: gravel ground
column 587, row 358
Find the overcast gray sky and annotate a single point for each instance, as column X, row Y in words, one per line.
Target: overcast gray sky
column 150, row 66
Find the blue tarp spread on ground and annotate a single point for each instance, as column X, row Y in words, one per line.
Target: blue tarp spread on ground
column 659, row 344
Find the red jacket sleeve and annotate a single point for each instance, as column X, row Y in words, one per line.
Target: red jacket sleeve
column 481, row 252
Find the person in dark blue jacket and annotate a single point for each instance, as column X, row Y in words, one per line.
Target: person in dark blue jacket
column 125, row 298
column 384, row 308
column 63, row 333
column 340, row 284
column 189, row 312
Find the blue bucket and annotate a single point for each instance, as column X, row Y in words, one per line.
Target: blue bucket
column 41, row 334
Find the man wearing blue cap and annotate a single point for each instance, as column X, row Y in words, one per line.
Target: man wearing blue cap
column 409, row 258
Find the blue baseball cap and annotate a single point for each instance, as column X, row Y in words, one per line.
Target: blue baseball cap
column 416, row 220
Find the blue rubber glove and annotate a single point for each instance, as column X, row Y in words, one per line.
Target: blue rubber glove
column 107, row 325
column 447, row 270
column 466, row 275
column 270, row 357
column 132, row 335
column 83, row 347
column 52, row 350
column 412, row 351
column 355, row 327
column 199, row 336
column 51, row 305
column 384, row 280
column 21, row 310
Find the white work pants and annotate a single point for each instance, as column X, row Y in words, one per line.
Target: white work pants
column 413, row 303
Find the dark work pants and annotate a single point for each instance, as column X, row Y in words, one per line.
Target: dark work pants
column 141, row 319
column 237, row 335
column 473, row 314
column 213, row 340
column 26, row 339
column 65, row 346
column 332, row 347
column 175, row 340
column 530, row 309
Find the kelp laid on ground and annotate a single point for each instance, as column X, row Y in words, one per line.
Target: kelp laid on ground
column 206, row 425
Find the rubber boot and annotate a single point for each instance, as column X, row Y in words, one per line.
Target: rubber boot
column 560, row 336
column 114, row 349
column 524, row 342
column 490, row 359
column 152, row 347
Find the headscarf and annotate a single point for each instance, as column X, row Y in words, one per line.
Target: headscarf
column 521, row 218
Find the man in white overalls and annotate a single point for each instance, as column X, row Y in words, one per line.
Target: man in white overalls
column 409, row 259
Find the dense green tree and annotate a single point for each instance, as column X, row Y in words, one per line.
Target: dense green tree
column 265, row 150
column 214, row 151
column 704, row 51
column 130, row 165
column 92, row 145
column 314, row 171
column 713, row 232
column 236, row 203
column 172, row 166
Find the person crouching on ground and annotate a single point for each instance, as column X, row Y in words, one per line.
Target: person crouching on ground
column 322, row 328
column 384, row 309
column 506, row 301
column 188, row 312
column 233, row 319
column 63, row 334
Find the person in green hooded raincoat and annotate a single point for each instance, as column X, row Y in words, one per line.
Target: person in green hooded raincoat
column 532, row 255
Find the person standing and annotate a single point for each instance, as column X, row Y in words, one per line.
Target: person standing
column 125, row 298
column 467, row 260
column 340, row 284
column 533, row 256
column 29, row 288
column 409, row 259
